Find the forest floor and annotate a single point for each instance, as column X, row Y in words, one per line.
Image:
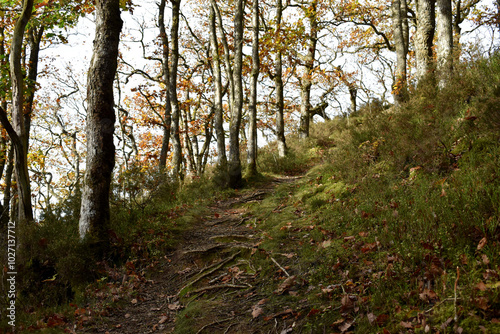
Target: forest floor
column 208, row 284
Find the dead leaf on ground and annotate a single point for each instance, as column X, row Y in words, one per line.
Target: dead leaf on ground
column 174, row 306
column 256, row 311
column 482, row 243
column 406, row 325
column 347, row 302
column 326, row 243
column 134, row 301
column 287, row 284
column 371, row 318
column 428, row 295
column 163, row 319
column 262, row 301
column 481, row 286
column 482, row 303
column 345, row 326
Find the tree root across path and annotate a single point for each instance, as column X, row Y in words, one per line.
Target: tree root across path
column 210, row 275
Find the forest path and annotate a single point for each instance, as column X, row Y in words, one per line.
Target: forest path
column 211, row 260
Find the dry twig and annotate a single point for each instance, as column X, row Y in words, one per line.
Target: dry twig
column 279, row 266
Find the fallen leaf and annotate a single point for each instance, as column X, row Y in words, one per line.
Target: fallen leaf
column 118, row 326
column 482, row 243
column 382, row 319
column 371, row 318
column 256, row 311
column 347, row 302
column 134, row 301
column 127, row 316
column 482, row 303
column 345, row 326
column 481, row 286
column 174, row 306
column 427, row 295
column 262, row 301
column 406, row 325
column 287, row 284
column 485, row 259
column 312, row 312
column 363, row 234
column 326, row 243
column 163, row 319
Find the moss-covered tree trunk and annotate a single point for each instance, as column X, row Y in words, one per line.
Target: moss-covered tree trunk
column 95, row 215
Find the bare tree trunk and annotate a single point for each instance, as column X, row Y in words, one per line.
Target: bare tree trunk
column 166, row 79
column 221, row 173
column 234, row 167
column 227, row 56
column 219, row 120
column 252, row 108
column 34, row 40
column 305, row 89
column 398, row 17
column 5, row 214
column 174, row 61
column 95, row 215
column 278, row 82
column 25, row 212
column 424, row 37
column 444, row 41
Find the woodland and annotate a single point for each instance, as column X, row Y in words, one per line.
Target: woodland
column 261, row 166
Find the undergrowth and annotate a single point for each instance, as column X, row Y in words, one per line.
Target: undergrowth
column 58, row 274
column 397, row 227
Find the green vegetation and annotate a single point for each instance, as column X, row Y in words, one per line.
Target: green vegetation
column 395, row 226
column 398, row 226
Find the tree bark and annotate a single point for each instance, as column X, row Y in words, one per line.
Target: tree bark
column 424, row 37
column 25, row 212
column 221, row 177
column 166, row 79
column 278, row 83
column 305, row 89
column 399, row 28
column 174, row 61
column 34, row 40
column 252, row 108
column 444, row 51
column 234, row 167
column 95, row 211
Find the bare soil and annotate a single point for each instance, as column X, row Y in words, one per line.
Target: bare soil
column 206, row 285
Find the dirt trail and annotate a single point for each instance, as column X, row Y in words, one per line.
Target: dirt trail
column 207, row 261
